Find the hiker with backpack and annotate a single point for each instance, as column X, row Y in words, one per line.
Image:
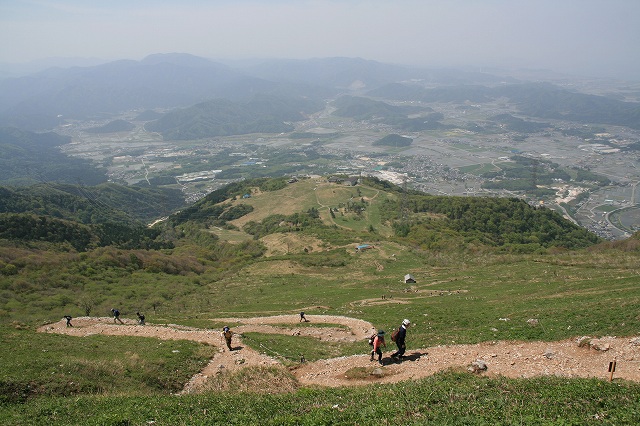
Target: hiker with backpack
column 227, row 334
column 399, row 336
column 140, row 318
column 377, row 340
column 116, row 315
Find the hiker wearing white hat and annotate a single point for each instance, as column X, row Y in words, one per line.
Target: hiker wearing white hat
column 400, row 340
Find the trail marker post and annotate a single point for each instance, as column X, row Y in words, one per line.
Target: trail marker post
column 612, row 369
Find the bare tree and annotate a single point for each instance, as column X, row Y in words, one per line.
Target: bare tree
column 156, row 303
column 86, row 303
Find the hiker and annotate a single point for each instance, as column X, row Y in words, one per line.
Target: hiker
column 116, row 315
column 303, row 318
column 400, row 337
column 378, row 341
column 226, row 333
column 68, row 318
column 140, row 318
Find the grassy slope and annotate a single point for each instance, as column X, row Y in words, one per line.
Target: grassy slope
column 449, row 398
column 311, row 193
column 56, row 365
column 457, row 298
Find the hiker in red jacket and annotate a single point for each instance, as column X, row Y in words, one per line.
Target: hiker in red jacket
column 378, row 341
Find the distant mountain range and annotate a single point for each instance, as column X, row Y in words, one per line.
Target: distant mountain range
column 158, row 81
column 541, row 100
column 45, row 99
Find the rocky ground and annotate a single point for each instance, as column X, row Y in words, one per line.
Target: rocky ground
column 586, row 357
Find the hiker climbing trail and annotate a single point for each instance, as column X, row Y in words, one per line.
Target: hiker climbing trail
column 565, row 358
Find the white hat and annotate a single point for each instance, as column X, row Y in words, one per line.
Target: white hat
column 406, row 322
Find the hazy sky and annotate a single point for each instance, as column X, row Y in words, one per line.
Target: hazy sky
column 588, row 37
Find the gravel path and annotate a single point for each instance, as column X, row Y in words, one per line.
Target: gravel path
column 511, row 359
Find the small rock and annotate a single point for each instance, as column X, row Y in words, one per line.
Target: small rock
column 599, row 345
column 478, row 366
column 549, row 354
column 583, row 341
column 377, row 372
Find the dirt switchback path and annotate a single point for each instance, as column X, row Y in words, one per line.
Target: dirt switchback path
column 502, row 358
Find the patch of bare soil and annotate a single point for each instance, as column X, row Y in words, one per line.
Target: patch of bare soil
column 278, row 244
column 565, row 358
column 379, row 301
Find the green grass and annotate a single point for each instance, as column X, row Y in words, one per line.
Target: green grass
column 311, row 193
column 310, row 324
column 448, row 398
column 466, row 147
column 606, row 208
column 230, row 235
column 459, row 297
column 291, row 349
column 570, row 295
column 57, row 365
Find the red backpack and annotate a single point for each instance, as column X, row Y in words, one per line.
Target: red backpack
column 373, row 336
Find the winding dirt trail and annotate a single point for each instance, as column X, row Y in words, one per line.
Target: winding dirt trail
column 511, row 359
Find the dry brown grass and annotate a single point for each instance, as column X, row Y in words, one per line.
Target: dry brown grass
column 366, row 373
column 263, row 380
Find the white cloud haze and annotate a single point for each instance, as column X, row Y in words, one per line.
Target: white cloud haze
column 588, row 37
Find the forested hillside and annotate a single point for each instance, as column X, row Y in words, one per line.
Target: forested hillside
column 85, row 217
column 92, row 204
column 409, row 118
column 112, row 126
column 430, row 222
column 221, row 117
column 27, row 158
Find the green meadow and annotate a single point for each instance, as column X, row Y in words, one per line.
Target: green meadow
column 460, row 296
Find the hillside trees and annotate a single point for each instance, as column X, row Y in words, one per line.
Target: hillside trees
column 284, row 223
column 96, row 204
column 39, row 228
column 222, row 117
column 27, row 158
column 393, row 140
column 215, row 208
column 26, row 227
column 498, row 222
